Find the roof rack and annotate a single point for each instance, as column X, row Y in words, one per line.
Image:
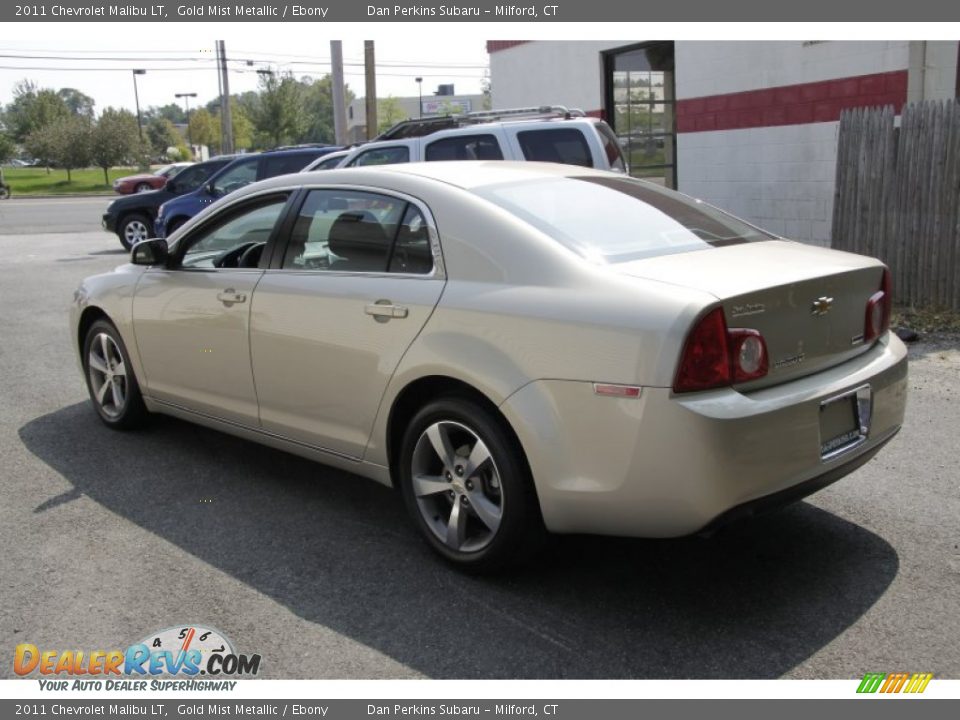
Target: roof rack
column 525, row 113
column 302, row 146
column 419, row 127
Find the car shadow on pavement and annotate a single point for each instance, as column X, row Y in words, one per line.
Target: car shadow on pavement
column 751, row 602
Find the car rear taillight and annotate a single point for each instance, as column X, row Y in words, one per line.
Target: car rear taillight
column 714, row 356
column 877, row 319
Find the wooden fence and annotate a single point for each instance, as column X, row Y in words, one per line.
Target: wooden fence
column 898, row 197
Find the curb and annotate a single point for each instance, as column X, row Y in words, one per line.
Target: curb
column 32, row 196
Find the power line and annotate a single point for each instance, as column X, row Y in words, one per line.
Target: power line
column 308, row 60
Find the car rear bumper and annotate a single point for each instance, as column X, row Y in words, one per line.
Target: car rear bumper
column 667, row 465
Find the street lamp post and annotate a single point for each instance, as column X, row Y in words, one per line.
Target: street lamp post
column 136, row 98
column 419, row 95
column 186, row 103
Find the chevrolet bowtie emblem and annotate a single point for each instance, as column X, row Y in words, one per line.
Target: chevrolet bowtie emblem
column 821, row 306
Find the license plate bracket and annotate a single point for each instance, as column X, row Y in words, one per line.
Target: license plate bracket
column 845, row 422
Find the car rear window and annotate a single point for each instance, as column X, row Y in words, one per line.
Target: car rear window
column 558, row 145
column 618, row 219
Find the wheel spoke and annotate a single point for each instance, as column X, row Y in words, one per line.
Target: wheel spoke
column 105, row 348
column 440, row 440
column 478, row 456
column 487, row 511
column 97, row 363
column 120, row 369
column 429, row 485
column 457, row 526
column 102, row 392
column 117, row 391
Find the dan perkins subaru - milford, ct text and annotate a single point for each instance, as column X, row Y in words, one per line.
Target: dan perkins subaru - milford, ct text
column 415, row 11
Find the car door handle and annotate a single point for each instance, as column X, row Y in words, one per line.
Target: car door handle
column 386, row 309
column 230, row 296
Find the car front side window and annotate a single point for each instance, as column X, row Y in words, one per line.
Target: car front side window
column 237, row 241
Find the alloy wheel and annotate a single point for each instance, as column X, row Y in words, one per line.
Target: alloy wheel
column 108, row 375
column 135, row 231
column 457, row 486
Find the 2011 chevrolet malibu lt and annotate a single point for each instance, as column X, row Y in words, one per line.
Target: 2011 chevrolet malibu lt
column 517, row 347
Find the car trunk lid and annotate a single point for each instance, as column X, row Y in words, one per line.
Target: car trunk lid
column 809, row 303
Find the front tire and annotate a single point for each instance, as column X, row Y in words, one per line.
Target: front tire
column 467, row 487
column 111, row 382
column 143, row 187
column 133, row 229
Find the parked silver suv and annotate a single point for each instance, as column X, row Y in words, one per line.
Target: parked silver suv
column 547, row 134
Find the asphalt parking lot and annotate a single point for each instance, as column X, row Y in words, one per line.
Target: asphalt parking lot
column 108, row 536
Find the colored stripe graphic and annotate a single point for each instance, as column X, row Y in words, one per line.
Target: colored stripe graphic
column 871, row 682
column 894, row 682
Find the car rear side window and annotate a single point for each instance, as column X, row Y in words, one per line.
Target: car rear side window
column 383, row 156
column 354, row 231
column 464, row 147
column 611, row 219
column 558, row 145
column 284, row 164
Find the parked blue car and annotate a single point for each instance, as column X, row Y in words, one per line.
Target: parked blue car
column 242, row 171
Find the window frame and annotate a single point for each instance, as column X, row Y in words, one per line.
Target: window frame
column 285, row 228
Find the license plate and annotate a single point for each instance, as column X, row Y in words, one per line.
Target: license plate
column 844, row 422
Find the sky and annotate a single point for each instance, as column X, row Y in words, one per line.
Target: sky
column 180, row 58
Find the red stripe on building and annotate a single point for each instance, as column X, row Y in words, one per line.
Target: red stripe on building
column 497, row 45
column 791, row 104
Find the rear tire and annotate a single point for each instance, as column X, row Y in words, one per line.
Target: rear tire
column 467, row 486
column 143, row 187
column 111, row 382
column 134, row 228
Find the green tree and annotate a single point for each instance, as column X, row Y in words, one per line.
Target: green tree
column 318, row 109
column 77, row 102
column 32, row 109
column 242, row 127
column 279, row 116
column 162, row 135
column 172, row 112
column 7, row 146
column 115, row 139
column 72, row 142
column 41, row 145
column 389, row 113
column 201, row 128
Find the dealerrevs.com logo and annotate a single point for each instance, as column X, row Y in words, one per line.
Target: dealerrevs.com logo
column 172, row 659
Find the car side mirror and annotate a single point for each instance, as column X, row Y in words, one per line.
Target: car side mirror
column 211, row 190
column 171, row 187
column 150, row 252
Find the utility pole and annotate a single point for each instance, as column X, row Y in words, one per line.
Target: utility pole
column 226, row 121
column 336, row 74
column 370, row 70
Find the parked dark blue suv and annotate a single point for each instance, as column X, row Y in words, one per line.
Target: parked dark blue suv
column 244, row 170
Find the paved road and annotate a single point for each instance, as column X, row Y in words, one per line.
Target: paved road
column 51, row 215
column 108, row 536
